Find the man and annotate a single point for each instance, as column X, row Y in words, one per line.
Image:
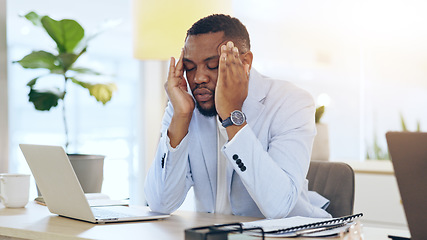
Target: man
column 241, row 140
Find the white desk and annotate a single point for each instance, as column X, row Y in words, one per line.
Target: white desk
column 36, row 222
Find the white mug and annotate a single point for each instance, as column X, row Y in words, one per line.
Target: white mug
column 14, row 189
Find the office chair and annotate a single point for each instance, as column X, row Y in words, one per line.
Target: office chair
column 334, row 181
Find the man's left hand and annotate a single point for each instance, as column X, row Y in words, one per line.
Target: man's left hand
column 233, row 81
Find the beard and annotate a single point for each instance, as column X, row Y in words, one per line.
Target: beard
column 207, row 112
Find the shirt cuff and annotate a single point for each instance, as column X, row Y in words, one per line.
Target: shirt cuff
column 236, row 136
column 172, row 149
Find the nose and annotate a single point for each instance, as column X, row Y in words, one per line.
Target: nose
column 201, row 76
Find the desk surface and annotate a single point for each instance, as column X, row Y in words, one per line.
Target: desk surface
column 36, row 222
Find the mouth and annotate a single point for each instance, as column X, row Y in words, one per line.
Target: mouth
column 203, row 94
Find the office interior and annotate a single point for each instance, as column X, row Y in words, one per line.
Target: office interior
column 363, row 60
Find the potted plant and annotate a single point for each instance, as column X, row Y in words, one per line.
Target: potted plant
column 71, row 43
column 321, row 141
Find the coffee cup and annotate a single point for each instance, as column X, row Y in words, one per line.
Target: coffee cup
column 14, row 189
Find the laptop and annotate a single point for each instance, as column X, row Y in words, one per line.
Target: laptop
column 62, row 193
column 408, row 152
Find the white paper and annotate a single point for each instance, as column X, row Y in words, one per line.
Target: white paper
column 100, row 199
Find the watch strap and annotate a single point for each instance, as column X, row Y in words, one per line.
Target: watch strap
column 227, row 122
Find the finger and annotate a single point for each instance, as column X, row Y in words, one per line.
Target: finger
column 230, row 45
column 223, row 49
column 235, row 68
column 171, row 67
column 170, row 74
column 180, row 65
column 222, row 71
column 236, row 53
column 227, row 48
column 232, row 53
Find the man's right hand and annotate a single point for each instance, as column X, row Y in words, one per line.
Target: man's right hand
column 182, row 102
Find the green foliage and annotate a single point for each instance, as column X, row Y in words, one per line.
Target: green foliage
column 69, row 38
column 377, row 153
column 45, row 100
column 71, row 43
column 102, row 92
column 319, row 113
column 402, row 123
column 40, row 59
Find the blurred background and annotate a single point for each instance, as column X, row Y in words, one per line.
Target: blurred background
column 364, row 60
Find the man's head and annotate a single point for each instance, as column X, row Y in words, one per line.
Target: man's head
column 202, row 51
column 232, row 28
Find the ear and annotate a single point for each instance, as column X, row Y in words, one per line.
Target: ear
column 247, row 58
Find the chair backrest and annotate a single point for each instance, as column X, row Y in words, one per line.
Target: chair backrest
column 334, row 181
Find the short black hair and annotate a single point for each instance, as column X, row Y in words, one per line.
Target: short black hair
column 233, row 29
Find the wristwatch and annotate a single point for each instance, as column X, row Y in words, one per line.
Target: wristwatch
column 237, row 118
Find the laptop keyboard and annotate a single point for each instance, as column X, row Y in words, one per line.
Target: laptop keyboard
column 100, row 213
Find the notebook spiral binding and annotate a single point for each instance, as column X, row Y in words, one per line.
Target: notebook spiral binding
column 328, row 223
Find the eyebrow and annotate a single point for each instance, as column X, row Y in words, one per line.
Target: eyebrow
column 205, row 60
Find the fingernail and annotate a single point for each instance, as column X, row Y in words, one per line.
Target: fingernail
column 236, row 50
column 230, row 44
column 223, row 47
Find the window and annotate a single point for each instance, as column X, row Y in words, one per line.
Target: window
column 367, row 56
column 109, row 130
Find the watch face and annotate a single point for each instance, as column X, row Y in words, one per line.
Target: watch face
column 238, row 118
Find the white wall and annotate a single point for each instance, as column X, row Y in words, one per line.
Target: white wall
column 4, row 136
column 367, row 55
column 377, row 197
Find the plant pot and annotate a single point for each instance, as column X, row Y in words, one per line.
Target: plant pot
column 321, row 143
column 89, row 170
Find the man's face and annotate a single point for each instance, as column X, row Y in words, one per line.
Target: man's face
column 201, row 59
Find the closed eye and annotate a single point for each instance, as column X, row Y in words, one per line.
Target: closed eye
column 188, row 66
column 189, row 69
column 213, row 64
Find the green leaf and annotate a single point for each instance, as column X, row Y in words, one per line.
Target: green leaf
column 102, row 92
column 83, row 70
column 66, row 33
column 40, row 59
column 67, row 60
column 34, row 18
column 403, row 124
column 319, row 113
column 32, row 82
column 44, row 100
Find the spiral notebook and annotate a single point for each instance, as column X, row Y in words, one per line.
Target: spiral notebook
column 304, row 226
